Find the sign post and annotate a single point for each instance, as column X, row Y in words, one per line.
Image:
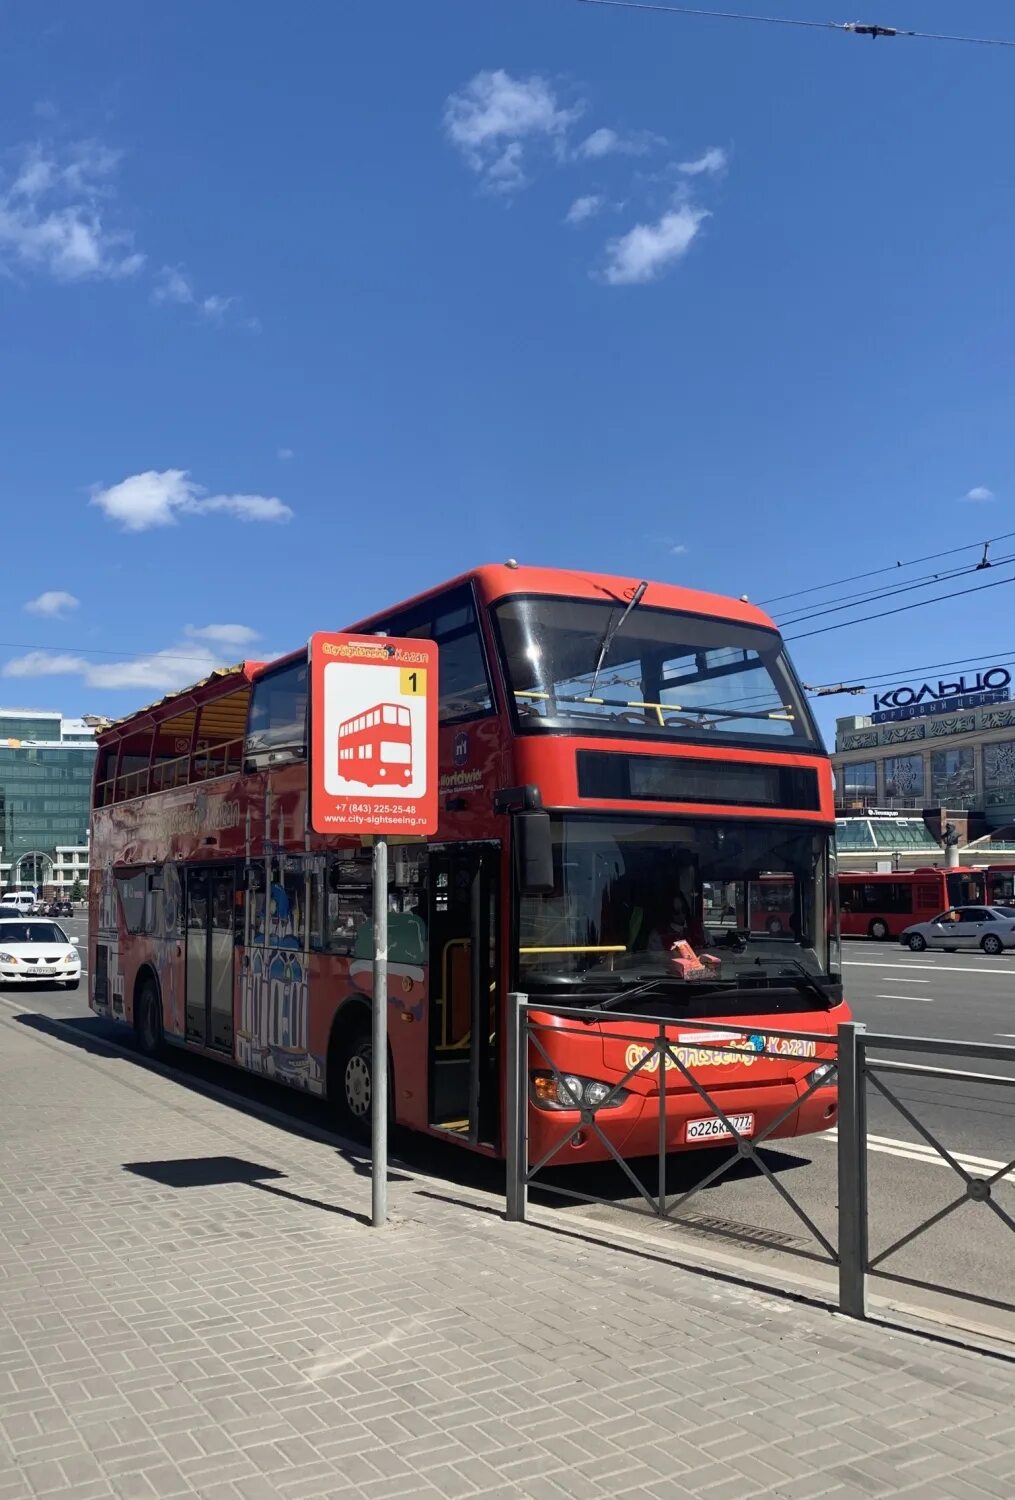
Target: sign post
column 373, row 775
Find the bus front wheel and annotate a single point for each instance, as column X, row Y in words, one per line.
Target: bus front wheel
column 878, row 930
column 351, row 1082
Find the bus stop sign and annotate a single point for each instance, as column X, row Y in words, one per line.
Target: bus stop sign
column 373, row 735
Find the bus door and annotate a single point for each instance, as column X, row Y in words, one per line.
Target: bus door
column 463, row 1039
column 210, row 944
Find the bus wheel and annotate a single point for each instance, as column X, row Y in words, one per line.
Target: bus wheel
column 149, row 1020
column 878, row 930
column 774, row 926
column 354, row 1083
column 917, row 943
column 992, row 944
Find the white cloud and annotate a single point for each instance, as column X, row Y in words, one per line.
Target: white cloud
column 490, row 118
column 45, row 109
column 713, row 161
column 156, row 672
column 53, row 216
column 677, row 550
column 607, row 142
column 647, row 250
column 54, row 602
column 244, row 507
column 285, row 454
column 172, row 284
column 225, row 635
column 979, row 492
column 585, row 208
column 156, row 498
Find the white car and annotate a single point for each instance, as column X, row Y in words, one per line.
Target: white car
column 36, row 951
column 991, row 928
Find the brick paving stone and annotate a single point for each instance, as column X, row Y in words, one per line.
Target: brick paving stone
column 235, row 1345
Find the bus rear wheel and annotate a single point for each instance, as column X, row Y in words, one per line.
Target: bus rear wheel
column 149, row 1019
column 878, row 930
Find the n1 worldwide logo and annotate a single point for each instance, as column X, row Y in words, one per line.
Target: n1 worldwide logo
column 990, row 686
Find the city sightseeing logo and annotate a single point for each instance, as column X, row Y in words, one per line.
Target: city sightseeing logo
column 701, row 1049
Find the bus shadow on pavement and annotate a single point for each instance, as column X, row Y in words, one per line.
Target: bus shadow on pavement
column 306, row 1114
column 228, row 1171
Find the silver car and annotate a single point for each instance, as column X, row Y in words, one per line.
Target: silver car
column 991, row 928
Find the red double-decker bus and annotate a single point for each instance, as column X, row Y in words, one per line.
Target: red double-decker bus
column 375, row 747
column 628, row 773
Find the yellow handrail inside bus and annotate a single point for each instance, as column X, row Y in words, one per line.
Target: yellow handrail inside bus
column 579, row 948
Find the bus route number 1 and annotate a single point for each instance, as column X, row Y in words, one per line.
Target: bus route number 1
column 412, row 682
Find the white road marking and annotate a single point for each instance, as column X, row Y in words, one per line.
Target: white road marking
column 937, row 968
column 916, row 1151
column 907, row 979
column 923, row 999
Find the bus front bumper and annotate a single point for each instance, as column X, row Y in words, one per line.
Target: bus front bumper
column 632, row 1129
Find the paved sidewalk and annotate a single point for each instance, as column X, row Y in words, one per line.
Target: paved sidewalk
column 190, row 1306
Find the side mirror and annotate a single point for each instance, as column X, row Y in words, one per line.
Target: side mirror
column 533, row 852
column 75, row 942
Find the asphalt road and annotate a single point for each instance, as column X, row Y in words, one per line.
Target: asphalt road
column 971, row 1252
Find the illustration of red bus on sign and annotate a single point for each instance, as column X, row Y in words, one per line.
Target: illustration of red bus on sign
column 373, row 732
column 375, row 747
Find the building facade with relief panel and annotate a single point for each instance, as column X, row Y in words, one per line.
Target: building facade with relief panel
column 963, row 762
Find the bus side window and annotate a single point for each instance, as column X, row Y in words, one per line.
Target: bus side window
column 450, row 620
column 133, row 890
column 277, row 721
column 348, row 899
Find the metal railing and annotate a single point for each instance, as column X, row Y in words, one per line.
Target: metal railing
column 848, row 1064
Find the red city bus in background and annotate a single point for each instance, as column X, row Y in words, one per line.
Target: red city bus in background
column 375, row 748
column 618, row 763
column 880, row 905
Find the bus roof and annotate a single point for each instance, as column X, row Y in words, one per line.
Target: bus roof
column 220, row 681
column 493, row 581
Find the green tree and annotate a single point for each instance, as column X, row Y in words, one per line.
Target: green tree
column 76, row 892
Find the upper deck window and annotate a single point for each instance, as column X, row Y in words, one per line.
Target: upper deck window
column 278, row 712
column 450, row 620
column 666, row 674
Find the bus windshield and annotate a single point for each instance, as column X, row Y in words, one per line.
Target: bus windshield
column 690, row 901
column 666, row 673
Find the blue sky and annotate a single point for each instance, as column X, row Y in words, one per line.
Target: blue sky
column 305, row 309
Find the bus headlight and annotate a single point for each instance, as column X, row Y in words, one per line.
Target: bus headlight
column 824, row 1073
column 572, row 1091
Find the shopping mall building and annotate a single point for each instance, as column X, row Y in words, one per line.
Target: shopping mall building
column 926, row 756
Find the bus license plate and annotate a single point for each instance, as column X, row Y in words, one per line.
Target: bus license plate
column 714, row 1129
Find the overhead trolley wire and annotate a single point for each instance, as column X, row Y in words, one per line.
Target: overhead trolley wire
column 913, row 562
column 900, row 609
column 856, row 28
column 928, row 580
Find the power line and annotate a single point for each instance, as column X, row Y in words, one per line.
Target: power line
column 209, row 662
column 877, row 595
column 902, row 672
column 856, row 28
column 913, row 562
column 901, row 609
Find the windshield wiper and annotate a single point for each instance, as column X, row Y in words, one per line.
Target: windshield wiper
column 611, row 631
column 806, row 980
column 686, row 990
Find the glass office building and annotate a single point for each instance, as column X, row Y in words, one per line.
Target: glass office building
column 46, row 764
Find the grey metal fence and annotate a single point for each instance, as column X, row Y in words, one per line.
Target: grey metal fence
column 844, row 1058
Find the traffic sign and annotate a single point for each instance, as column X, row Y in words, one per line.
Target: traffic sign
column 373, row 717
